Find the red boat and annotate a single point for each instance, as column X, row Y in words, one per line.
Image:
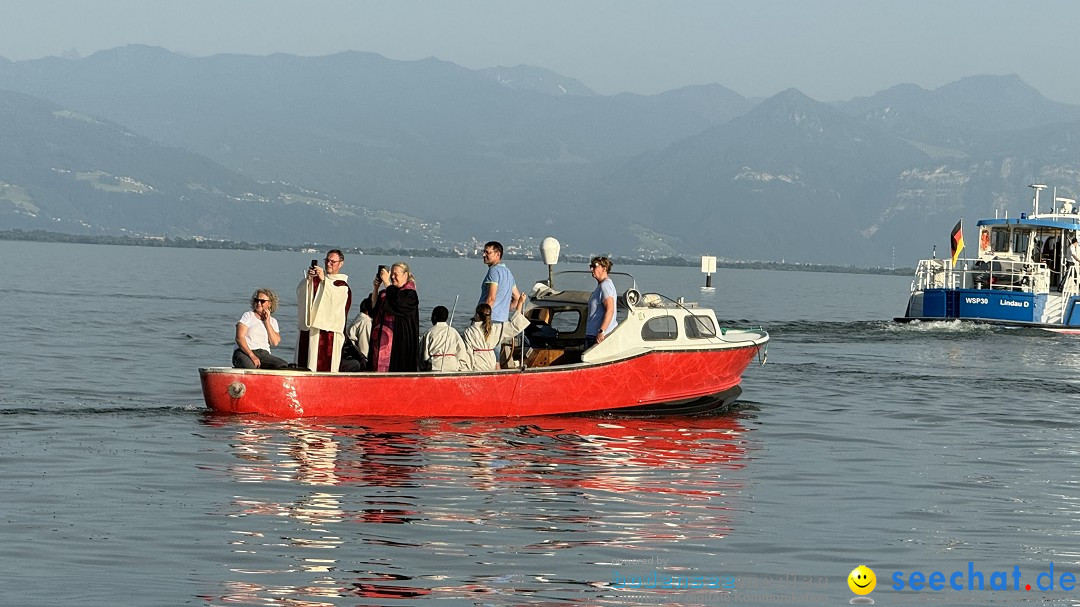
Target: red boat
column 664, row 357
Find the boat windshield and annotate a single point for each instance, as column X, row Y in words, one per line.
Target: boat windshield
column 999, row 241
column 1020, row 241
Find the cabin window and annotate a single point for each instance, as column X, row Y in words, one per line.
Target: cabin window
column 566, row 321
column 660, row 328
column 699, row 327
column 1020, row 241
column 999, row 241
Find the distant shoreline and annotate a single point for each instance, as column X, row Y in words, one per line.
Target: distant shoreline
column 200, row 243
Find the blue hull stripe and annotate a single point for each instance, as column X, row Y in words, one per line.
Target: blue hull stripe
column 988, row 305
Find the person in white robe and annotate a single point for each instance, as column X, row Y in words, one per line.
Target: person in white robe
column 441, row 347
column 359, row 333
column 481, row 338
column 323, row 299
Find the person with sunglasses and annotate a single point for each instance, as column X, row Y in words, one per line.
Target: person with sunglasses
column 323, row 299
column 601, row 315
column 256, row 331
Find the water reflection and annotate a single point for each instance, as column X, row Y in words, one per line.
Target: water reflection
column 325, row 511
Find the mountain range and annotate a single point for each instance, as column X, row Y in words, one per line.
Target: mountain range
column 355, row 149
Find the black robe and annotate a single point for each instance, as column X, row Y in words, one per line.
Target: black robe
column 401, row 307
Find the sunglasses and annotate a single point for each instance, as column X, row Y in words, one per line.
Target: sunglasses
column 262, row 300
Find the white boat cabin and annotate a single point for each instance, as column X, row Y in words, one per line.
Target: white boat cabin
column 646, row 322
column 1027, row 254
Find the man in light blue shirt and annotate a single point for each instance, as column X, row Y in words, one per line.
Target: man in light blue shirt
column 499, row 289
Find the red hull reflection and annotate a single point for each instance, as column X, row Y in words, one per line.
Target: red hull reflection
column 556, row 483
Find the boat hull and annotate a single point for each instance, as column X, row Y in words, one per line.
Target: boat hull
column 650, row 383
column 999, row 307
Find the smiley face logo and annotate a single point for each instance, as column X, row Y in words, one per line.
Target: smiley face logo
column 862, row 580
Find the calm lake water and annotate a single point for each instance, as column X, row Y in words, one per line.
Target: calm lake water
column 921, row 448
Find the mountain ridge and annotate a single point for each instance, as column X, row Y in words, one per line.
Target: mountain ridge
column 431, row 152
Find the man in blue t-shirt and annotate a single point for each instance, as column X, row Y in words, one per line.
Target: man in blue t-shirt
column 499, row 289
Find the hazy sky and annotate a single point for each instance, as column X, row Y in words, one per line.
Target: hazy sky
column 828, row 49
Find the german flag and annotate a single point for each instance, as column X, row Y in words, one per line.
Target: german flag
column 957, row 240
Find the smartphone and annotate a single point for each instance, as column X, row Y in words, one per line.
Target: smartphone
column 314, row 263
column 381, row 268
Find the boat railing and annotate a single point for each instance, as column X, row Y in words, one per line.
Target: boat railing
column 930, row 274
column 1069, row 286
column 1000, row 274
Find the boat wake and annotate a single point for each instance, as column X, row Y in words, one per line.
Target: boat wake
column 942, row 326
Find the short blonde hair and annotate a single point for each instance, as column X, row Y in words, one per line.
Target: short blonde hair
column 269, row 295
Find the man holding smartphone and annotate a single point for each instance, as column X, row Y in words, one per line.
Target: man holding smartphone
column 323, row 299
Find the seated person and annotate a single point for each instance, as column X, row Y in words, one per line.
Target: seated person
column 540, row 333
column 441, row 348
column 481, row 339
column 256, row 331
column 354, row 354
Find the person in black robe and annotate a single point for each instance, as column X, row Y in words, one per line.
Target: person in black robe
column 395, row 330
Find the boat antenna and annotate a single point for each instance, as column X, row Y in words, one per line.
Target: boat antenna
column 1035, row 201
